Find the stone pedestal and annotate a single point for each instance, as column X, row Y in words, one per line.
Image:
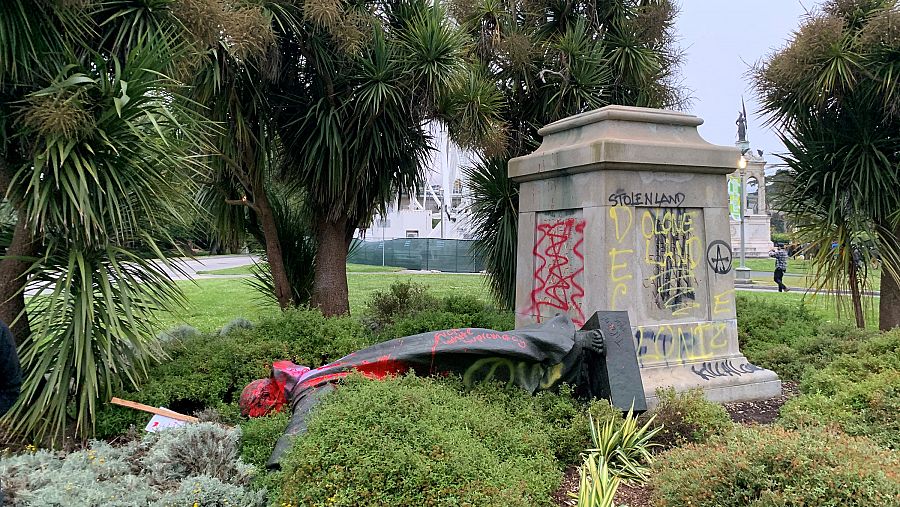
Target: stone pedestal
column 757, row 235
column 626, row 208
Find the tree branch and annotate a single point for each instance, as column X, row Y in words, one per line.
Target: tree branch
column 241, row 202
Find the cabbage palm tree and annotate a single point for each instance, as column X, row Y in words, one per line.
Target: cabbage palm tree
column 553, row 59
column 98, row 147
column 233, row 85
column 359, row 84
column 833, row 93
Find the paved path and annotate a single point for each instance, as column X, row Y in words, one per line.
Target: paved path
column 189, row 267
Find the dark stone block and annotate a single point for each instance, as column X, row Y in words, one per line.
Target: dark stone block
column 616, row 373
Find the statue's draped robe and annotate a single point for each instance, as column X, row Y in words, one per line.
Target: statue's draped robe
column 536, row 358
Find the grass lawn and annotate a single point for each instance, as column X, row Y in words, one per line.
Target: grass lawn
column 213, row 303
column 351, row 268
column 768, row 264
column 824, row 304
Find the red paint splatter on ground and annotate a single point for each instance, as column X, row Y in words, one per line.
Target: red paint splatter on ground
column 556, row 275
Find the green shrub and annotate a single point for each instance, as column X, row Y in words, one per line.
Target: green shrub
column 564, row 417
column 761, row 321
column 413, row 441
column 434, row 320
column 211, row 370
column 866, row 407
column 769, row 467
column 424, row 321
column 259, row 435
column 812, row 353
column 770, row 333
column 853, row 384
column 401, row 299
column 463, row 303
column 687, row 417
column 318, row 340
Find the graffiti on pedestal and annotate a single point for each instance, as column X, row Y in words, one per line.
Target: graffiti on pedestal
column 671, row 251
column 620, row 257
column 558, row 284
column 681, row 343
column 719, row 255
column 716, row 369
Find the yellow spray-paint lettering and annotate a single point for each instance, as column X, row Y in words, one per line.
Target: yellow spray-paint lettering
column 723, row 303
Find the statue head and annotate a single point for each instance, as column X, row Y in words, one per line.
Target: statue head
column 262, row 397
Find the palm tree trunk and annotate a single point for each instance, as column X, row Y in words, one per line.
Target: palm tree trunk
column 12, row 279
column 274, row 255
column 13, row 267
column 855, row 295
column 889, row 305
column 330, row 293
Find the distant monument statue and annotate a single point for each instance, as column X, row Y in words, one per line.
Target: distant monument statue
column 742, row 126
column 757, row 222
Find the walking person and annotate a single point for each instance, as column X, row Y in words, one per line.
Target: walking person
column 781, row 259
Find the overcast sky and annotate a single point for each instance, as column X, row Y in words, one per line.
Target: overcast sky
column 722, row 38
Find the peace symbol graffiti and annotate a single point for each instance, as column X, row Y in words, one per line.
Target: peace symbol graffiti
column 719, row 255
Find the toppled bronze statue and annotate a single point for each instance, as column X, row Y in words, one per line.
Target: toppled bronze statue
column 598, row 360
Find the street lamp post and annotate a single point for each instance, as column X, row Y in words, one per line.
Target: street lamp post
column 743, row 272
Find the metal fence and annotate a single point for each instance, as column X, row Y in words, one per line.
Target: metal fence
column 449, row 255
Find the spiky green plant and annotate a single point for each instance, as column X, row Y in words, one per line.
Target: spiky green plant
column 494, row 216
column 98, row 147
column 597, row 486
column 299, row 254
column 621, row 453
column 624, row 446
column 832, row 93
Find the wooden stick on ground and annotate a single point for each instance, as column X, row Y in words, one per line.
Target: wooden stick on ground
column 153, row 410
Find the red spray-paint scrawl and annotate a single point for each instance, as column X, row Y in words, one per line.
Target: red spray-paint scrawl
column 559, row 269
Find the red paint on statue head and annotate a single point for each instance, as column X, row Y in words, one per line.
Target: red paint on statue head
column 262, row 397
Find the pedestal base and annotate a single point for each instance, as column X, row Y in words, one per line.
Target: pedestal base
column 722, row 380
column 757, row 236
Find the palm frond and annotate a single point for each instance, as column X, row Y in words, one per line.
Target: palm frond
column 494, row 214
column 94, row 323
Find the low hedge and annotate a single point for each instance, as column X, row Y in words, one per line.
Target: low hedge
column 434, row 320
column 858, row 393
column 770, row 333
column 209, row 371
column 686, row 417
column 770, row 466
column 413, row 441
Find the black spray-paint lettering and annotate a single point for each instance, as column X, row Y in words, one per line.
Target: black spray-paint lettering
column 726, row 368
column 655, row 199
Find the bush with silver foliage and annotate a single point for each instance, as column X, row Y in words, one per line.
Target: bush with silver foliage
column 197, row 464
